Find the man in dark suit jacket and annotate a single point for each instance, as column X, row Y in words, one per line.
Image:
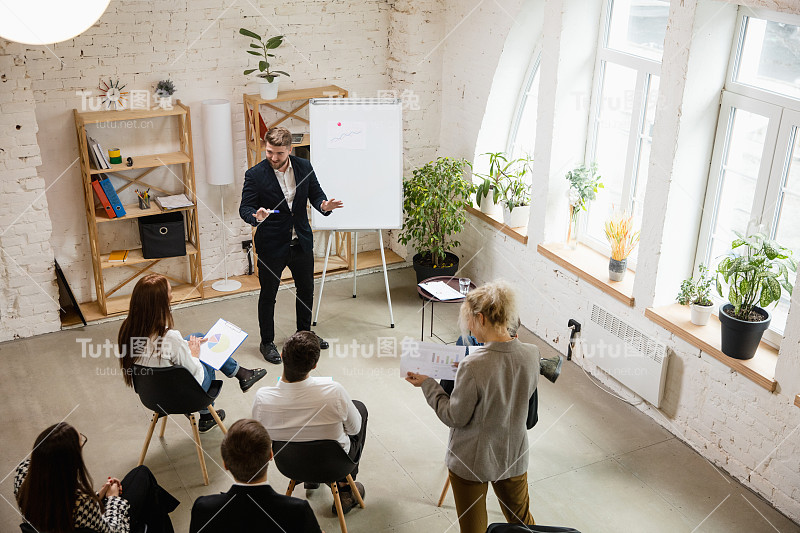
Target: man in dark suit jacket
column 274, row 199
column 251, row 504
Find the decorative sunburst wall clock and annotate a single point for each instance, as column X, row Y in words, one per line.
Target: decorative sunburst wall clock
column 113, row 95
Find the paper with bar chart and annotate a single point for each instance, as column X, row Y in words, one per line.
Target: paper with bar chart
column 223, row 339
column 431, row 359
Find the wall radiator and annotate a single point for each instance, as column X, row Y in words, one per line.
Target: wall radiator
column 626, row 354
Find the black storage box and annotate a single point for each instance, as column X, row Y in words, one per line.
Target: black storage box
column 162, row 235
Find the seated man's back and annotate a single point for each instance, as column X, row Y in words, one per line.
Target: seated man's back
column 248, row 508
column 312, row 409
column 250, row 504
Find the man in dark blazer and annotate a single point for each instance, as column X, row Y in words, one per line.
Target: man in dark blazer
column 251, row 504
column 274, row 199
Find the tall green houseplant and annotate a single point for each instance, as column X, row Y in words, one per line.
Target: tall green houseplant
column 434, row 204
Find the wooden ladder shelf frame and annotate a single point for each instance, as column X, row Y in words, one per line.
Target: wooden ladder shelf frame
column 192, row 288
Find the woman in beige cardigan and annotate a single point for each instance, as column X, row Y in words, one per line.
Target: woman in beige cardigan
column 487, row 410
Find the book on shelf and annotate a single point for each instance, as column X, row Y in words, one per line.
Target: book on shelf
column 111, row 194
column 118, row 256
column 176, row 201
column 96, row 154
column 101, row 195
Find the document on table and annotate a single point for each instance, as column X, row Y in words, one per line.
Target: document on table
column 441, row 290
column 223, row 339
column 431, row 359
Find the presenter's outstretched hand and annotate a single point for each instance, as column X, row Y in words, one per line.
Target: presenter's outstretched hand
column 330, row 205
column 261, row 214
column 416, row 379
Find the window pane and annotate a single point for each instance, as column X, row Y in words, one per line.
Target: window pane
column 787, row 227
column 526, row 127
column 638, row 27
column 611, row 144
column 646, row 140
column 770, row 57
column 738, row 178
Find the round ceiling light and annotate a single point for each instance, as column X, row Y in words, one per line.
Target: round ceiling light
column 47, row 21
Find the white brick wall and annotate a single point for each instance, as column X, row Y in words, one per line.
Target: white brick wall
column 28, row 292
column 727, row 418
column 197, row 45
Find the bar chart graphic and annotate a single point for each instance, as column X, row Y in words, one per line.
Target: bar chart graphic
column 431, row 359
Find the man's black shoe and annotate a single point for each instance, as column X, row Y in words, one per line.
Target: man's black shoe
column 270, row 353
column 207, row 422
column 245, row 384
column 323, row 344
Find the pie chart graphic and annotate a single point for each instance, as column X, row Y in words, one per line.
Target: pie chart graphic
column 218, row 342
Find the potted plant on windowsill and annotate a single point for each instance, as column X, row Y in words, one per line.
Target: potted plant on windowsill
column 267, row 79
column 584, row 183
column 434, row 204
column 759, row 274
column 517, row 203
column 623, row 240
column 697, row 295
column 489, row 191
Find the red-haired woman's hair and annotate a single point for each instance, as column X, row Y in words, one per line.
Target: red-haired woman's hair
column 149, row 316
column 55, row 477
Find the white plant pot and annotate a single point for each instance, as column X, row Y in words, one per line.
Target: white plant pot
column 267, row 90
column 488, row 207
column 518, row 218
column 700, row 314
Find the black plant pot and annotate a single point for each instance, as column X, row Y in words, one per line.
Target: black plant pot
column 740, row 338
column 428, row 271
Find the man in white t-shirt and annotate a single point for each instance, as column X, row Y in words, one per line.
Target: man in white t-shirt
column 302, row 408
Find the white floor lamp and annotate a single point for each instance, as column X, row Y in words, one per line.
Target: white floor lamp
column 217, row 142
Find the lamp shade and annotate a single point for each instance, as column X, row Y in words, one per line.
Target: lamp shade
column 217, row 141
column 48, row 21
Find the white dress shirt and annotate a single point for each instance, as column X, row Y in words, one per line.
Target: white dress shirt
column 288, row 185
column 312, row 409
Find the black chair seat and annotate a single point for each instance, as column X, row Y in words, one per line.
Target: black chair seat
column 172, row 390
column 318, row 461
column 27, row 528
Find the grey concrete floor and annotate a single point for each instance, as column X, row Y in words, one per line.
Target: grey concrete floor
column 596, row 463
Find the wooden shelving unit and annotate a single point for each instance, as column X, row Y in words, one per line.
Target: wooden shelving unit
column 341, row 256
column 183, row 289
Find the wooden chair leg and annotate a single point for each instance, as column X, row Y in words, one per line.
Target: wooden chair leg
column 444, row 492
column 292, row 484
column 150, row 430
column 199, row 447
column 338, row 503
column 163, row 427
column 353, row 488
column 216, row 417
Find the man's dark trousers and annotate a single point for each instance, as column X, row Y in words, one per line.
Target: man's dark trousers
column 301, row 264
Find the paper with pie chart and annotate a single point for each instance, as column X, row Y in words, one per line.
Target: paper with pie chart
column 223, row 339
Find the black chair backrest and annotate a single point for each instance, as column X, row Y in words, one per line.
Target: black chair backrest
column 519, row 528
column 172, row 390
column 317, row 461
column 27, row 528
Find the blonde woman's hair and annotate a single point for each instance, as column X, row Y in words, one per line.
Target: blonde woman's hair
column 495, row 301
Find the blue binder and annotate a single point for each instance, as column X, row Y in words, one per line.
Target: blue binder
column 111, row 194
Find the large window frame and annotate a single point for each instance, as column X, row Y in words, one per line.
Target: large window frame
column 645, row 69
column 782, row 131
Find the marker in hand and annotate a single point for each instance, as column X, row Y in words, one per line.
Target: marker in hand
column 264, row 213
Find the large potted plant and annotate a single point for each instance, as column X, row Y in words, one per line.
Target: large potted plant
column 697, row 295
column 755, row 271
column 267, row 79
column 434, row 204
